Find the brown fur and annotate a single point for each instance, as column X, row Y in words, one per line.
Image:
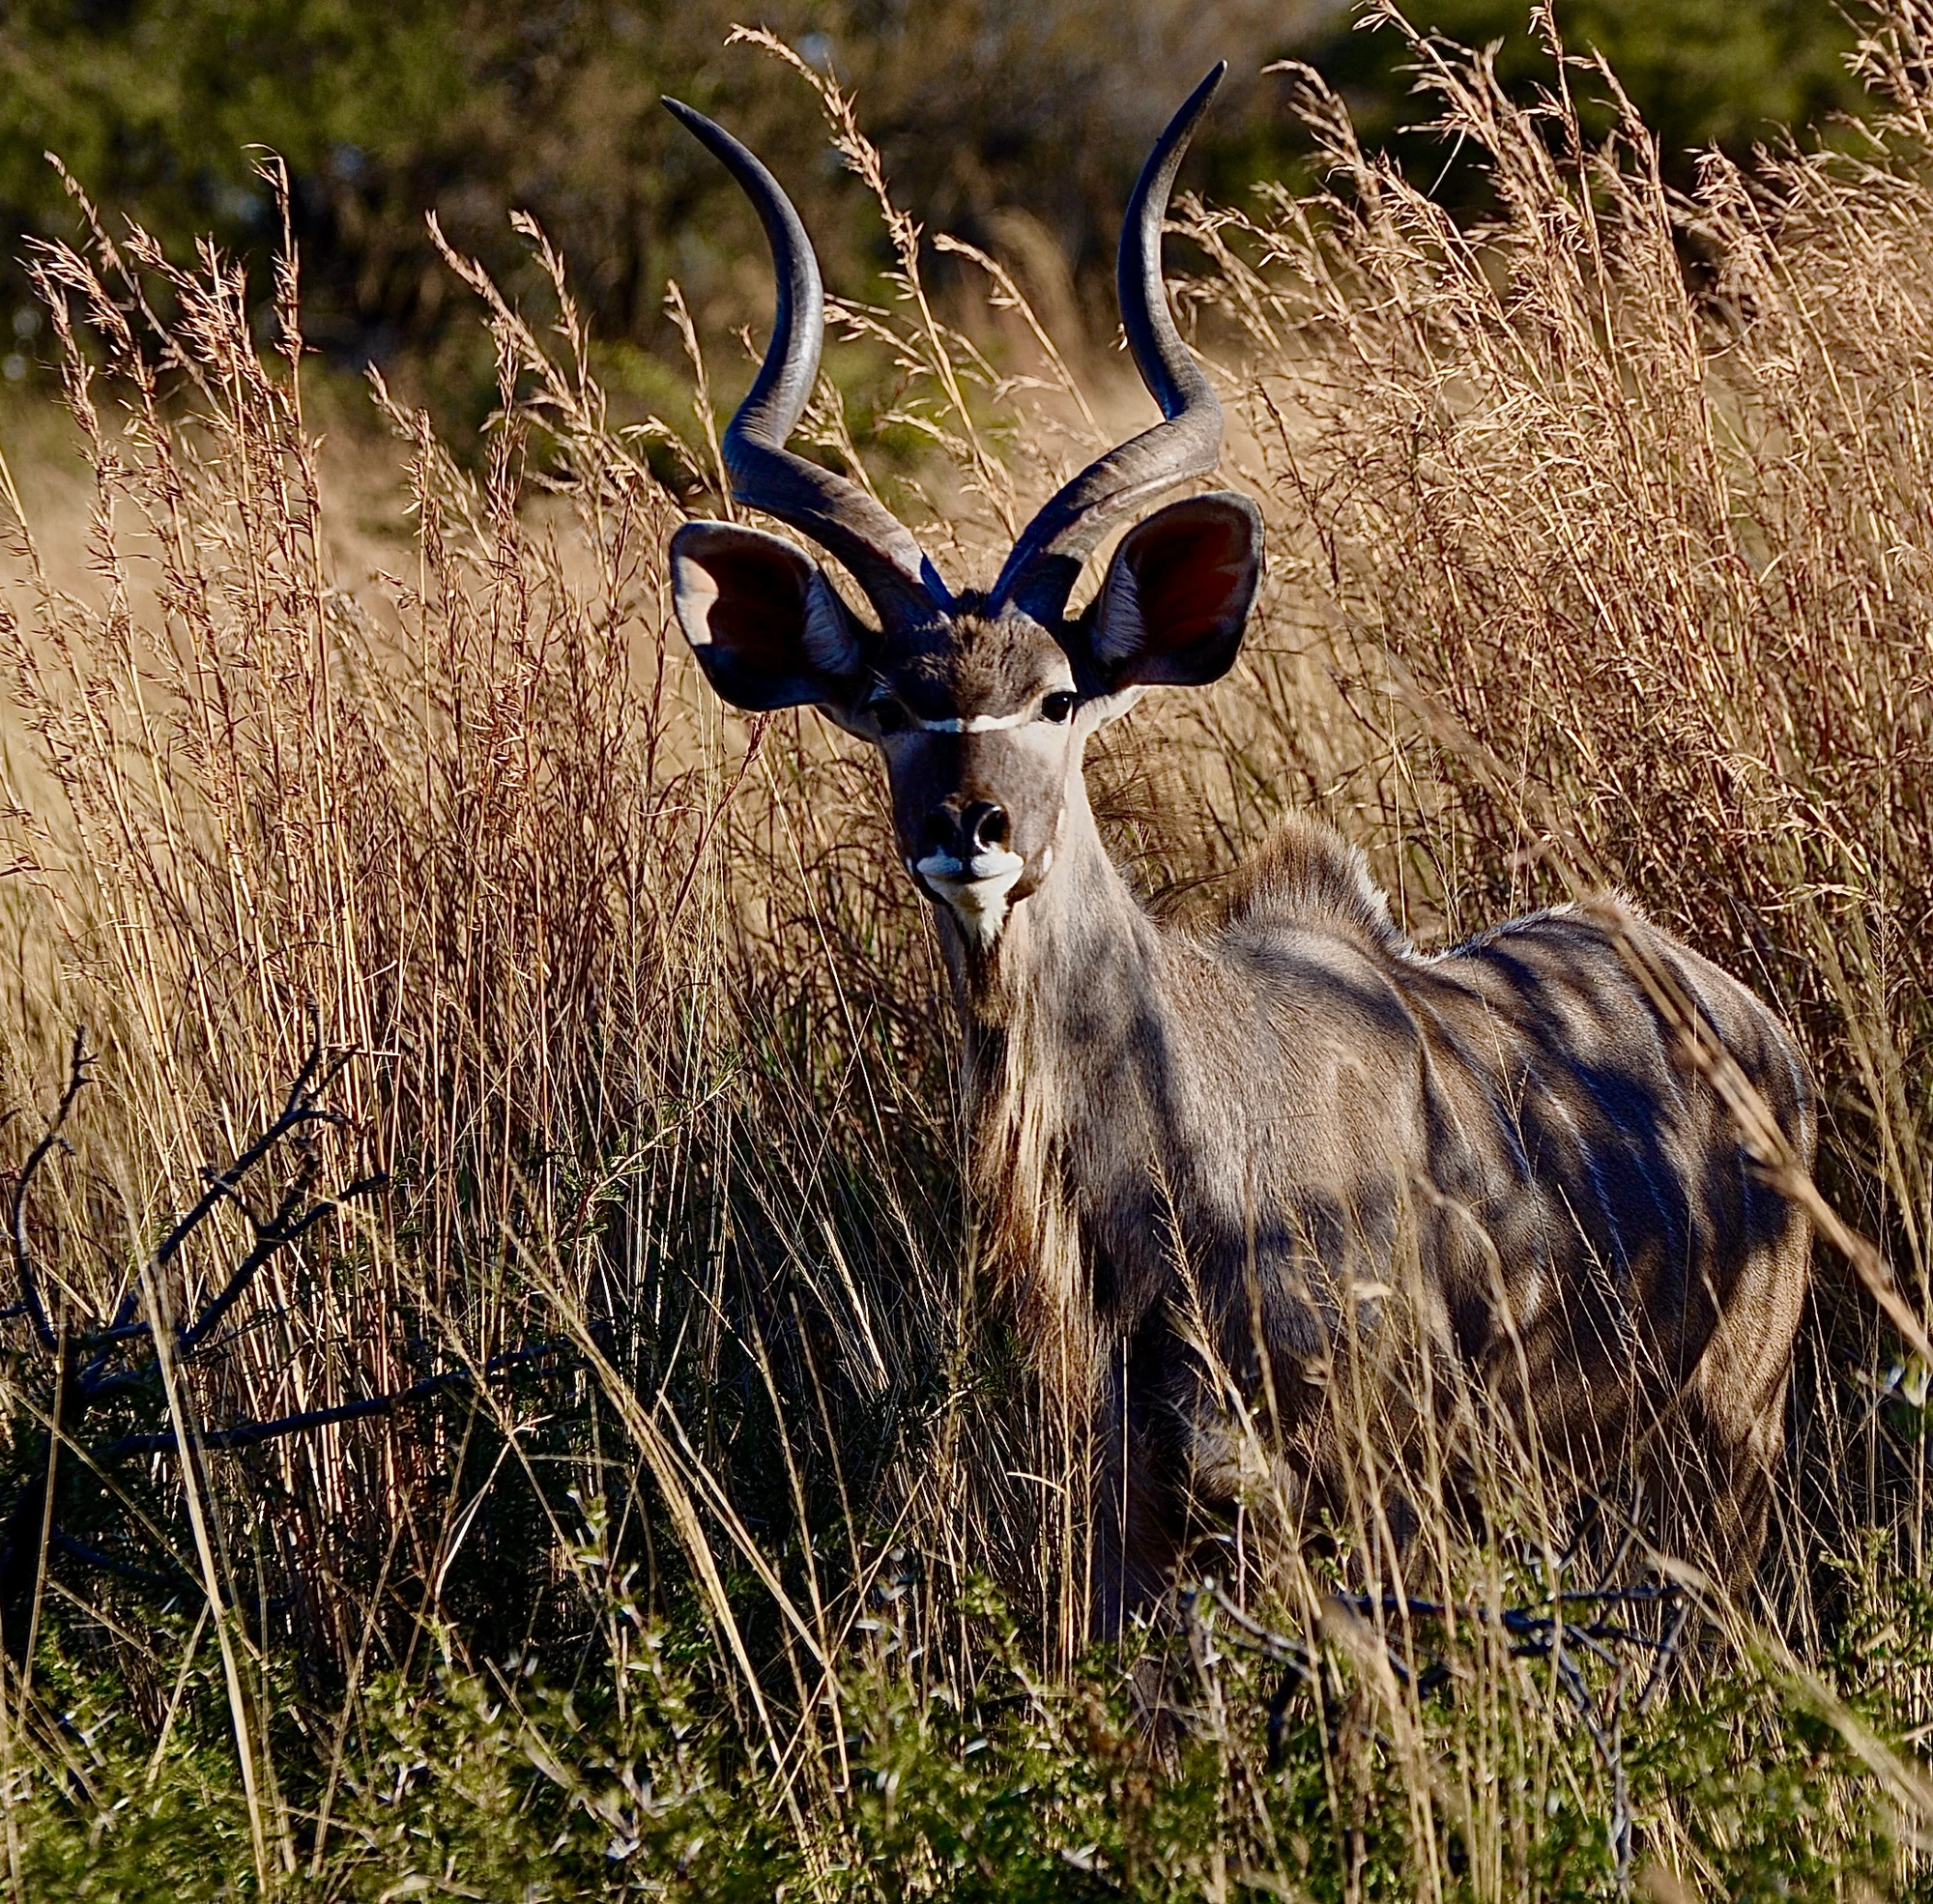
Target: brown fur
column 1306, row 870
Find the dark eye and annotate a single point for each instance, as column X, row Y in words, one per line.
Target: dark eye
column 888, row 717
column 1057, row 707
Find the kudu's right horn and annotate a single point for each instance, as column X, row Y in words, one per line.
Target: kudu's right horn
column 880, row 551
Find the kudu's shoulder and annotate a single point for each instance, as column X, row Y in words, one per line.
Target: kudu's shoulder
column 1305, row 874
column 1306, row 877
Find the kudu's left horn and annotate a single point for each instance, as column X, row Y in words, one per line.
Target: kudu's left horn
column 880, row 551
column 1045, row 562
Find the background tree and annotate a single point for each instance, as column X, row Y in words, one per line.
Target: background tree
column 1016, row 123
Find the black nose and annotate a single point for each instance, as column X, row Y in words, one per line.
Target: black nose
column 983, row 825
column 966, row 829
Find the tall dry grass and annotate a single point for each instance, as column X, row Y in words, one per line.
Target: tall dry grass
column 1584, row 565
column 1621, row 561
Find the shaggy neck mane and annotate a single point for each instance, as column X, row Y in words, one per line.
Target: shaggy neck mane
column 1049, row 1014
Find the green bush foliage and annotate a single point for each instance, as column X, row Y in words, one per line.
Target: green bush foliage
column 1015, row 127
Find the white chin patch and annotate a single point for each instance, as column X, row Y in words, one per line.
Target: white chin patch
column 975, row 890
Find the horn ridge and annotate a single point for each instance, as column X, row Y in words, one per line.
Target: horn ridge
column 882, row 553
column 1041, row 572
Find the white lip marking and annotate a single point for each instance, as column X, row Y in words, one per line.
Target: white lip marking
column 976, row 890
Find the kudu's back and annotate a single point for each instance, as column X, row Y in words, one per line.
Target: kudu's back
column 1500, row 1154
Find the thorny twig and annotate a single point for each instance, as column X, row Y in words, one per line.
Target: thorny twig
column 299, row 1113
column 252, row 1434
column 1545, row 1632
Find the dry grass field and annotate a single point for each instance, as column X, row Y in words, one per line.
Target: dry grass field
column 576, row 1453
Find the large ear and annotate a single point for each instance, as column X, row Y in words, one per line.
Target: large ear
column 766, row 624
column 1177, row 596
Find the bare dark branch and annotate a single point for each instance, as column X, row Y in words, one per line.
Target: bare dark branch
column 60, row 1540
column 252, row 1434
column 30, row 1303
column 299, row 1110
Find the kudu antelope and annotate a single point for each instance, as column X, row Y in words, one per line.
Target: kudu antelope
column 1214, row 1155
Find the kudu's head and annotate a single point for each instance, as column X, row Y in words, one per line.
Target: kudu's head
column 981, row 704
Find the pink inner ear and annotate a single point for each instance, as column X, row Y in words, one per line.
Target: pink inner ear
column 1188, row 576
column 761, row 608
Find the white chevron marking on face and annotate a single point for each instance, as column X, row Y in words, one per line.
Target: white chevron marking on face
column 974, row 724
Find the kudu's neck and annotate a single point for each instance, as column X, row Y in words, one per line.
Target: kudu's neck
column 1056, row 1016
